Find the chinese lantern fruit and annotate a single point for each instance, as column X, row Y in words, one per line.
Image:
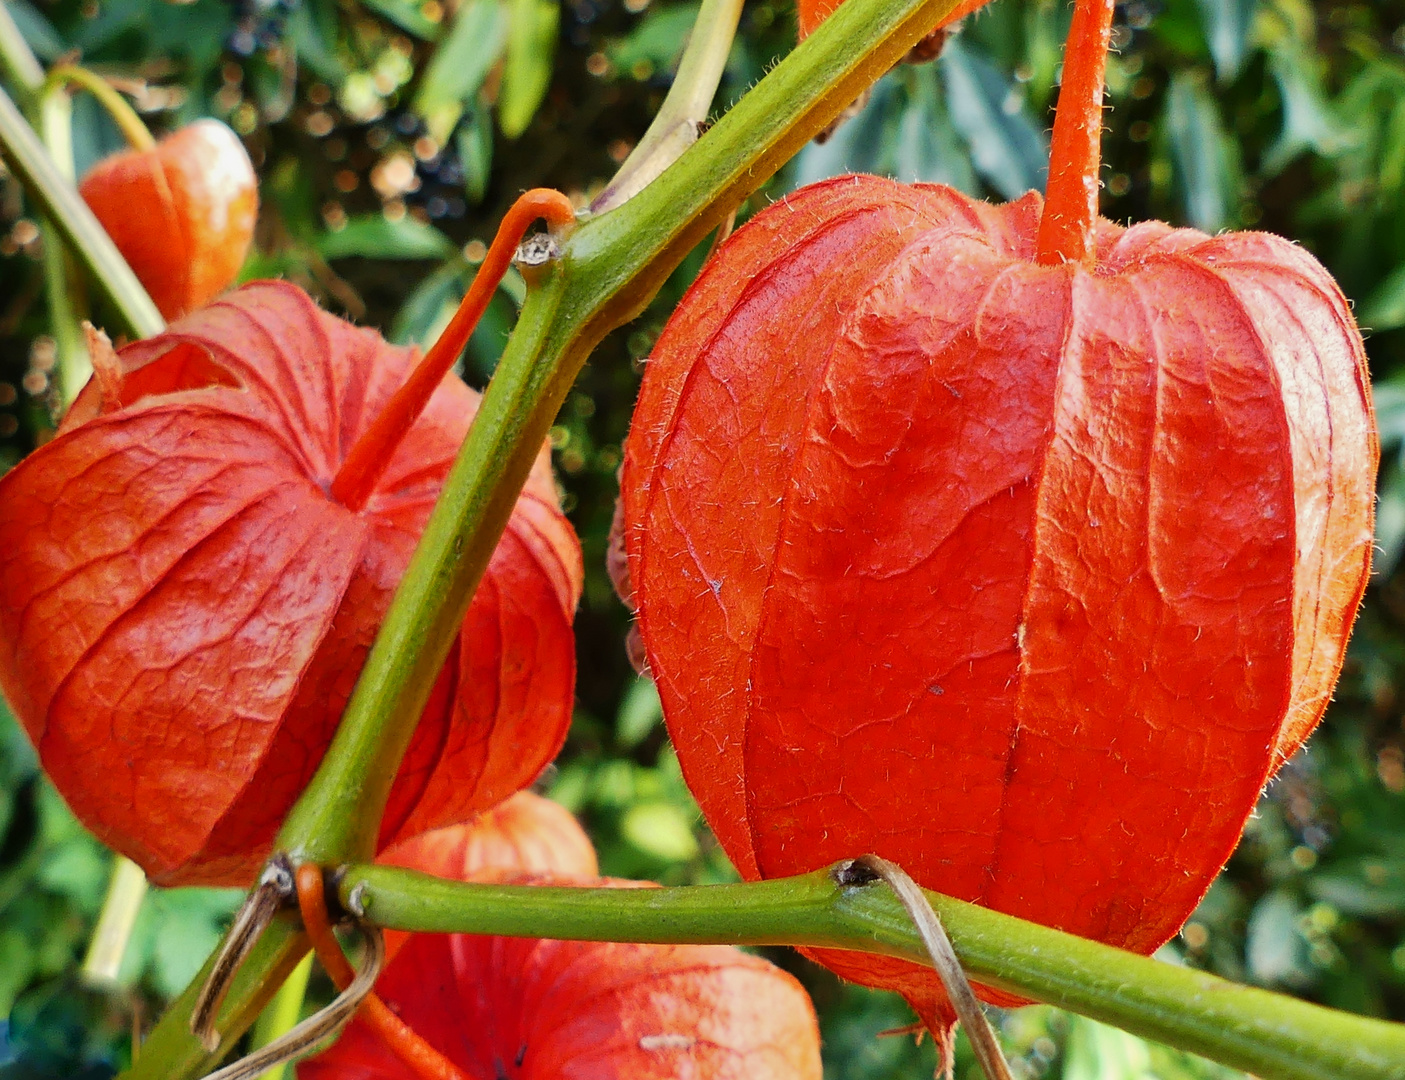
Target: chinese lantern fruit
column 182, row 214
column 524, row 834
column 184, row 608
column 526, row 1009
column 1013, row 545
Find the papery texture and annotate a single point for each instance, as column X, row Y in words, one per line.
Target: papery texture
column 182, row 214
column 1026, row 578
column 184, row 611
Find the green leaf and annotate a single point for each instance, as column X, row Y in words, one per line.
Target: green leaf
column 1275, row 950
column 904, row 131
column 657, row 41
column 459, row 65
column 407, row 15
column 1198, row 152
column 375, row 236
column 640, row 713
column 660, row 829
column 925, row 148
column 430, row 306
column 1227, row 24
column 1384, row 309
column 531, row 48
column 1008, row 150
column 38, row 32
column 1097, row 1052
column 1307, row 124
column 474, row 142
column 312, row 32
column 859, row 144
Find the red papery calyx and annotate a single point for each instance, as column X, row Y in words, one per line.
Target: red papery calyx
column 184, row 609
column 1007, row 543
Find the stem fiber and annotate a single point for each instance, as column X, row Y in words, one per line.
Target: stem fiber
column 1066, row 230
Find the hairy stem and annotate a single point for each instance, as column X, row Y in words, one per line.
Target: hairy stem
column 1075, row 154
column 1271, row 1035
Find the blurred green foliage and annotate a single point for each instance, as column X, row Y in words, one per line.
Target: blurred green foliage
column 391, row 134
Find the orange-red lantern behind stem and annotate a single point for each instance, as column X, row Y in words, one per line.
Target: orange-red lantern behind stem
column 1022, row 559
column 182, row 213
column 526, row 1009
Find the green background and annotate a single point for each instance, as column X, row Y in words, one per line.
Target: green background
column 391, row 134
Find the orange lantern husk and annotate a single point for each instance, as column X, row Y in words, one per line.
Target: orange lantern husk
column 1013, row 545
column 182, row 213
column 184, row 608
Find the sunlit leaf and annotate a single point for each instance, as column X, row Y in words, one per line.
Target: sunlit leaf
column 1227, row 24
column 460, row 64
column 1009, row 151
column 1199, row 153
column 375, row 236
column 531, row 48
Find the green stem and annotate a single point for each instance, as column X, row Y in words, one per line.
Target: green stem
column 125, row 892
column 283, row 1014
column 21, row 69
column 675, row 127
column 171, row 1051
column 62, row 287
column 608, row 270
column 60, row 201
column 133, row 129
column 1271, row 1035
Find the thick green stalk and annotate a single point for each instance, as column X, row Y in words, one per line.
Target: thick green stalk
column 608, row 269
column 1270, row 1035
column 171, row 1051
column 61, row 204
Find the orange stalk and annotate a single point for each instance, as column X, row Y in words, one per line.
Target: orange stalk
column 1071, row 207
column 371, row 453
column 426, row 1062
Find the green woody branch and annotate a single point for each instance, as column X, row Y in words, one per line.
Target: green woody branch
column 1271, row 1035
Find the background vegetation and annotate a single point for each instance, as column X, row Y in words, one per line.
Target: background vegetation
column 391, row 134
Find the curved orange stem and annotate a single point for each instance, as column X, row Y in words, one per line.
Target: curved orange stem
column 371, row 453
column 1066, row 230
column 423, row 1060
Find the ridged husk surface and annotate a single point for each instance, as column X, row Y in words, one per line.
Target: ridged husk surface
column 1025, row 577
column 184, row 610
